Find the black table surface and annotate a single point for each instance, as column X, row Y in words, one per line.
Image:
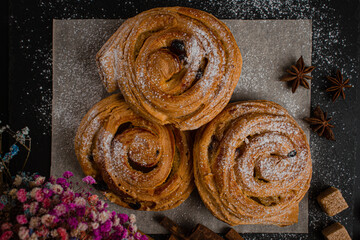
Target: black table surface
column 26, row 82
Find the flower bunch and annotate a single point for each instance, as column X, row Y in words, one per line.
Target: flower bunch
column 36, row 208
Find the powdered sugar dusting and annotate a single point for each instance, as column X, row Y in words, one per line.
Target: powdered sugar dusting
column 82, row 90
column 269, row 68
column 176, row 74
column 322, row 46
column 260, row 170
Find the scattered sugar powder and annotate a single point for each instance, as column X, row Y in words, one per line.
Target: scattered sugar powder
column 328, row 41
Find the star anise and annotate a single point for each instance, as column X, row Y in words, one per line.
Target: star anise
column 339, row 85
column 320, row 124
column 297, row 74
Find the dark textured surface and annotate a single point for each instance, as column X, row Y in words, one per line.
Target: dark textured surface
column 4, row 63
column 335, row 45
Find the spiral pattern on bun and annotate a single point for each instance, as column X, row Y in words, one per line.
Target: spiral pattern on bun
column 173, row 65
column 144, row 165
column 252, row 164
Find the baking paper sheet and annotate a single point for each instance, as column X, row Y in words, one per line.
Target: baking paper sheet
column 268, row 47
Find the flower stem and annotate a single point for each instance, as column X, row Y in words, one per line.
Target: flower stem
column 27, row 156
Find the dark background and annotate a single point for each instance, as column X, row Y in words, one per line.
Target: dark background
column 26, row 82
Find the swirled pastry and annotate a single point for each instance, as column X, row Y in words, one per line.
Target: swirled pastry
column 173, row 65
column 252, row 164
column 146, row 166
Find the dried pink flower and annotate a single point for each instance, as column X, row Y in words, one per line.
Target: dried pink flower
column 34, row 206
column 21, row 195
column 116, row 221
column 34, row 222
column 63, row 182
column 68, row 174
column 52, row 180
column 101, row 205
column 104, row 216
column 80, row 211
column 80, row 202
column 123, row 218
column 132, row 218
column 42, row 211
column 21, row 219
column 137, row 235
column 132, row 228
column 106, row 227
column 46, row 203
column 75, row 233
column 23, row 233
column 54, row 233
column 57, row 189
column 47, row 192
column 143, row 237
column 67, row 196
column 47, row 220
column 62, row 233
column 42, row 231
column 60, row 209
column 94, row 225
column 40, row 180
column 93, row 199
column 26, row 206
column 89, row 180
column 6, row 235
column 124, row 234
column 33, row 192
column 82, row 226
column 73, row 222
column 93, row 215
column 6, row 226
column 39, row 195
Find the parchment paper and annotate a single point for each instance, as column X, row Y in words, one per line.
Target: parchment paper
column 268, row 47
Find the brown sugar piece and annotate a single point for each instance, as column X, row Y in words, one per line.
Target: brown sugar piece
column 200, row 232
column 203, row 233
column 336, row 231
column 233, row 235
column 332, row 201
column 173, row 228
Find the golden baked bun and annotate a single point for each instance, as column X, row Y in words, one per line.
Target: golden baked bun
column 252, row 164
column 146, row 166
column 173, row 65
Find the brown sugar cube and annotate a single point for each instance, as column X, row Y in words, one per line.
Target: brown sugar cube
column 332, row 201
column 203, row 233
column 336, row 231
column 173, row 228
column 233, row 235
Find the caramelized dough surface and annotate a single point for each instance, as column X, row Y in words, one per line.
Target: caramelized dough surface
column 252, row 164
column 173, row 65
column 145, row 166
